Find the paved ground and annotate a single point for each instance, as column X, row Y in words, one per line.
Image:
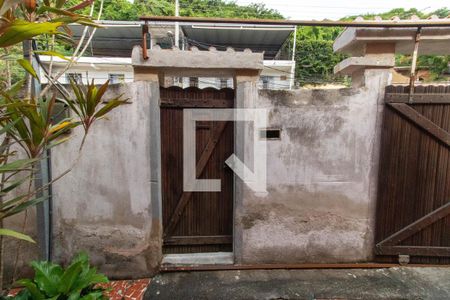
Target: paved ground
column 393, row 283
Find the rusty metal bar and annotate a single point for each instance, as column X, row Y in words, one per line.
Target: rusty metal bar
column 189, row 268
column 412, row 78
column 391, row 23
column 144, row 41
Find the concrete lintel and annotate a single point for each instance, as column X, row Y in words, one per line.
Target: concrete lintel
column 353, row 41
column 146, row 74
column 353, row 64
column 195, row 59
column 247, row 75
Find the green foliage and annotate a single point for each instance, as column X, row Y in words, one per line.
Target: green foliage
column 87, row 101
column 10, row 57
column 18, row 31
column 78, row 281
column 30, row 124
column 223, row 9
column 27, row 121
column 315, row 61
column 127, row 11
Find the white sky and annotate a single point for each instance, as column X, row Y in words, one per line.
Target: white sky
column 335, row 9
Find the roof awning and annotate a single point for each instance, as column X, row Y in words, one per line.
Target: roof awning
column 433, row 41
column 117, row 38
column 258, row 38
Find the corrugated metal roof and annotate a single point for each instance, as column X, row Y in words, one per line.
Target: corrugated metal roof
column 267, row 39
column 117, row 38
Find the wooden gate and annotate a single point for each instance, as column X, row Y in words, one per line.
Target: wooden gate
column 196, row 221
column 413, row 208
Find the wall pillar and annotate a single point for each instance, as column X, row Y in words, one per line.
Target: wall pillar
column 246, row 91
column 376, row 56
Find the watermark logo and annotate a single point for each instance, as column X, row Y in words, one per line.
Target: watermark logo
column 251, row 148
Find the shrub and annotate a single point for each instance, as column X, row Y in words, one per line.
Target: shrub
column 78, row 281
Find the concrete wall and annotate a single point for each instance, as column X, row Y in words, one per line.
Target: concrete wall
column 104, row 205
column 322, row 177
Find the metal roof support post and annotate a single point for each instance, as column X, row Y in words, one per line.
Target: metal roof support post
column 294, row 46
column 412, row 77
column 177, row 25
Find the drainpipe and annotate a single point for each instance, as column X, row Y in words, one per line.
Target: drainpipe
column 291, row 83
column 43, row 209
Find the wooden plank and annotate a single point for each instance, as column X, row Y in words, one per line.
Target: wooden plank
column 196, row 103
column 204, row 157
column 414, row 250
column 422, row 122
column 199, row 240
column 416, row 226
column 418, row 98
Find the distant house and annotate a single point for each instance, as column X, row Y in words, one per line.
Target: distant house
column 110, row 51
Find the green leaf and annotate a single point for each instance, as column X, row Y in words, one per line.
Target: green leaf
column 53, row 53
column 56, row 11
column 31, row 288
column 5, row 205
column 93, row 296
column 108, row 107
column 15, row 88
column 17, row 165
column 70, row 276
column 7, row 127
column 19, row 31
column 58, row 142
column 47, row 277
column 14, row 185
column 15, row 234
column 24, row 206
column 28, row 67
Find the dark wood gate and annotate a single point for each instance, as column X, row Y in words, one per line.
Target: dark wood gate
column 413, row 209
column 196, row 221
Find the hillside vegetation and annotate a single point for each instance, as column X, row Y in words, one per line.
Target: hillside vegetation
column 314, row 52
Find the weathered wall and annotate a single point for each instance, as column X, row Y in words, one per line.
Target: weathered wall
column 322, row 177
column 103, row 206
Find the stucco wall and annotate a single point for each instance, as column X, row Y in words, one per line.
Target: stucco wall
column 322, row 177
column 103, row 206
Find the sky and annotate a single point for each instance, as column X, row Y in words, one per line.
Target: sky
column 334, row 9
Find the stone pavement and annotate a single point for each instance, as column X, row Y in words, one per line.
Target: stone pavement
column 392, row 283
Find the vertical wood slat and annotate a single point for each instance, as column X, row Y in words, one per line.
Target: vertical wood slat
column 414, row 176
column 206, row 215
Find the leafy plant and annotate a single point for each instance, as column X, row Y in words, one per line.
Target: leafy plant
column 87, row 101
column 26, row 118
column 78, row 281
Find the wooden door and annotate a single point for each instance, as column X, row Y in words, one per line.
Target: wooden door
column 196, row 221
column 413, row 209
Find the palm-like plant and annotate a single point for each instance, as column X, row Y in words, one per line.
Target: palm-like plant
column 26, row 122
